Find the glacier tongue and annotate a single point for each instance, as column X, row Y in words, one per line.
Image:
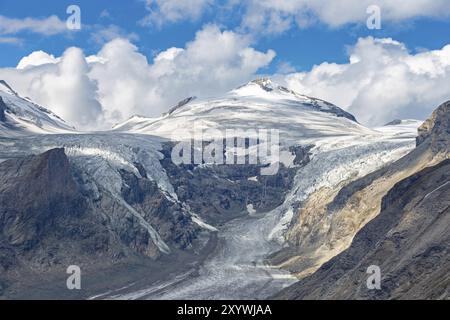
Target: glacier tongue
column 237, row 269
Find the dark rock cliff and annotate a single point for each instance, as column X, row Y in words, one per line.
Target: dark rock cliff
column 44, row 220
column 409, row 240
column 48, row 220
column 220, row 193
column 2, row 110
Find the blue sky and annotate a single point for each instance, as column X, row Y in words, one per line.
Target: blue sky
column 301, row 48
column 143, row 56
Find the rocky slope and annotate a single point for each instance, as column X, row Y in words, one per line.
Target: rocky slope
column 401, row 216
column 50, row 219
column 2, row 110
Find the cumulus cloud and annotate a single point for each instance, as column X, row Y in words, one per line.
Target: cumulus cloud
column 382, row 81
column 119, row 81
column 171, row 11
column 47, row 26
column 36, row 58
column 215, row 61
column 61, row 84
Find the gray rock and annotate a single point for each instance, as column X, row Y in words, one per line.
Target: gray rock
column 436, row 129
column 409, row 241
column 219, row 193
column 49, row 221
column 2, row 110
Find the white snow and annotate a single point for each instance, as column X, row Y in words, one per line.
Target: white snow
column 25, row 117
column 202, row 224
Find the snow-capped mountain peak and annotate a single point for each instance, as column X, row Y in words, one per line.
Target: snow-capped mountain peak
column 267, row 89
column 4, row 86
column 21, row 116
column 265, row 84
column 259, row 104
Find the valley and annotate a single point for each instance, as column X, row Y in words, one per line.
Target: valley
column 114, row 201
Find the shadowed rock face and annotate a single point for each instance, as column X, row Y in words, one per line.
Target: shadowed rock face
column 408, row 237
column 45, row 221
column 409, row 240
column 220, row 193
column 49, row 221
column 2, row 110
column 166, row 216
column 37, row 193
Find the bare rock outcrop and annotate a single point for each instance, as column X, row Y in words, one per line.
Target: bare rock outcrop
column 436, row 129
column 2, row 110
column 400, row 215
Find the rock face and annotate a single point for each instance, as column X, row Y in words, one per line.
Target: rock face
column 2, row 110
column 220, row 193
column 409, row 240
column 49, row 220
column 401, row 218
column 167, row 217
column 44, row 219
column 29, row 210
column 437, row 128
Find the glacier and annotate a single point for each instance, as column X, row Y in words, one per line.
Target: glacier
column 341, row 150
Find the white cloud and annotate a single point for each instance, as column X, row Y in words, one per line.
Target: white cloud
column 119, row 82
column 47, row 26
column 103, row 34
column 171, row 11
column 276, row 16
column 280, row 15
column 11, row 40
column 36, row 58
column 382, row 81
column 215, row 61
column 105, row 14
column 61, row 84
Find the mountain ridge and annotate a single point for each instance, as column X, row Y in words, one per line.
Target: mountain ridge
column 406, row 228
column 21, row 116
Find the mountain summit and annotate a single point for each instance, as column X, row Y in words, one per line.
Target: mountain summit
column 267, row 89
column 259, row 104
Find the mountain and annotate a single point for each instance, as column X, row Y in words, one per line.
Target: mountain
column 406, row 232
column 187, row 230
column 21, row 116
column 257, row 104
